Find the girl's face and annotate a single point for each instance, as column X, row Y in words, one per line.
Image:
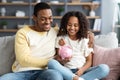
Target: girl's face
column 73, row 26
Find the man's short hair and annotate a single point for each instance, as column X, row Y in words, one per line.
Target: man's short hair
column 40, row 6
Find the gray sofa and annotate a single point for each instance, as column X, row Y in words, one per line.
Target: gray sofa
column 7, row 55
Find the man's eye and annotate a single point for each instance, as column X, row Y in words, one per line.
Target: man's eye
column 50, row 18
column 42, row 19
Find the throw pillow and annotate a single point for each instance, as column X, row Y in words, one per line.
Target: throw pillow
column 109, row 40
column 108, row 56
column 6, row 54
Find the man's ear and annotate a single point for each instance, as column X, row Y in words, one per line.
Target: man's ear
column 34, row 18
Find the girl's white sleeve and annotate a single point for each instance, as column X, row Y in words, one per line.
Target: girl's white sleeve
column 87, row 50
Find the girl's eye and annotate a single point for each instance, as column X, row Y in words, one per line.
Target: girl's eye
column 76, row 25
column 69, row 24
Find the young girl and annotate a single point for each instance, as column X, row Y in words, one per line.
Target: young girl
column 73, row 32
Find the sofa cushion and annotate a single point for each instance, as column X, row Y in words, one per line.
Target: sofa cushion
column 108, row 56
column 6, row 54
column 109, row 40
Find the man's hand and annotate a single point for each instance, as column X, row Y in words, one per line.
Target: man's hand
column 91, row 39
column 61, row 42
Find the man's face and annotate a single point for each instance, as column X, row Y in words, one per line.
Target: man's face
column 43, row 20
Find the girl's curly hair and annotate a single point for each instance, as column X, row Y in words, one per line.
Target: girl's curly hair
column 83, row 24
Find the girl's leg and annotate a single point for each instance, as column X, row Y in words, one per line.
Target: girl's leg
column 49, row 74
column 66, row 73
column 97, row 72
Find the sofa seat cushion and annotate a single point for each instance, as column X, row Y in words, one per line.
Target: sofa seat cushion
column 6, row 54
column 108, row 56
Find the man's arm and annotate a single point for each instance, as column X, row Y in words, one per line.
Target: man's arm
column 91, row 39
column 23, row 56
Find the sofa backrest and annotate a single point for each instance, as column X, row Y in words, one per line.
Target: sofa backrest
column 7, row 55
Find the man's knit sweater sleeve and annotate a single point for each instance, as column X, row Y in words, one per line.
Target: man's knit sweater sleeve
column 22, row 50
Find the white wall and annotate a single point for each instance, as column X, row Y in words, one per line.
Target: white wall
column 107, row 11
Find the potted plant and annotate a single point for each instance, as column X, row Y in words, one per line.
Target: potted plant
column 4, row 24
column 60, row 11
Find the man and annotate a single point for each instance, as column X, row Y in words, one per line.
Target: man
column 34, row 46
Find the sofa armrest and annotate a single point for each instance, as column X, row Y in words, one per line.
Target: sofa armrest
column 7, row 55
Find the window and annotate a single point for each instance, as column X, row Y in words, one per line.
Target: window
column 119, row 13
column 116, row 16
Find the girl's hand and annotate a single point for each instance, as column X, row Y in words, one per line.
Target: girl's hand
column 66, row 60
column 79, row 72
column 62, row 61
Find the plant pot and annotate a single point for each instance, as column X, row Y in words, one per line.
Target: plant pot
column 75, row 1
column 4, row 26
column 37, row 1
column 4, row 1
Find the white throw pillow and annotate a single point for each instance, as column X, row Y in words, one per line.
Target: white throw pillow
column 109, row 40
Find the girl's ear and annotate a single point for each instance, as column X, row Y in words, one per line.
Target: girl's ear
column 34, row 18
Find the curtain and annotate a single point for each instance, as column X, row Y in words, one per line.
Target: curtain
column 118, row 6
column 115, row 15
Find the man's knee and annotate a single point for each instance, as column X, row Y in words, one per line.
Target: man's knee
column 8, row 76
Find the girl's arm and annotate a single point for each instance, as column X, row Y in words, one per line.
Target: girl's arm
column 86, row 66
